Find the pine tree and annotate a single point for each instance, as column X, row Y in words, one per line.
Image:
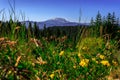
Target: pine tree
column 36, row 30
column 98, row 23
column 113, row 19
column 30, row 30
column 98, row 19
column 109, row 18
column 117, row 21
column 92, row 21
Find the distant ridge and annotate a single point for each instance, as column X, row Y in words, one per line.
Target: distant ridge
column 54, row 22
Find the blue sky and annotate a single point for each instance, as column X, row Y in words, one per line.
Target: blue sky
column 41, row 10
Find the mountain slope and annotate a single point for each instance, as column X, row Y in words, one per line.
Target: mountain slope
column 54, row 22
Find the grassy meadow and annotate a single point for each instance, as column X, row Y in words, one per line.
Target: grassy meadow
column 60, row 53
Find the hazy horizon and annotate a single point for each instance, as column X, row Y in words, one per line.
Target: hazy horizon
column 41, row 10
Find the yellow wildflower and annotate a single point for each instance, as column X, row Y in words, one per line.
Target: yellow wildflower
column 102, row 57
column 97, row 62
column 84, row 62
column 61, row 53
column 93, row 59
column 105, row 63
column 52, row 76
column 79, row 55
column 53, row 52
column 74, row 67
column 84, row 48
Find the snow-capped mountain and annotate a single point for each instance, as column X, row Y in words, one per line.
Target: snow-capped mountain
column 60, row 20
column 53, row 22
column 57, row 22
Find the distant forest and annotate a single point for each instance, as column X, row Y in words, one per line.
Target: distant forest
column 100, row 26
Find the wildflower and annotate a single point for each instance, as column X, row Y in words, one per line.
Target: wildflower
column 33, row 64
column 61, row 53
column 102, row 56
column 84, row 62
column 85, row 48
column 9, row 72
column 105, row 63
column 97, row 62
column 53, row 52
column 74, row 67
column 58, row 62
column 93, row 59
column 52, row 75
column 79, row 55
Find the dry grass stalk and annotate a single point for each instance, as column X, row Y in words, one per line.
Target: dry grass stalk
column 3, row 39
column 11, row 43
column 37, row 78
column 40, row 61
column 17, row 61
column 36, row 42
column 18, row 27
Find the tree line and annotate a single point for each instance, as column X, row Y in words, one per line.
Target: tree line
column 100, row 26
column 106, row 25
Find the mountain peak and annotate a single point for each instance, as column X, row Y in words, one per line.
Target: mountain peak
column 60, row 20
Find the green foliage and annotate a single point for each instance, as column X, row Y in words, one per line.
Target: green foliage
column 28, row 53
column 105, row 25
column 100, row 55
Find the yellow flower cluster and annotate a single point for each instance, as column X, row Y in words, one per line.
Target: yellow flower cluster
column 84, row 62
column 102, row 57
column 105, row 63
column 52, row 76
column 61, row 53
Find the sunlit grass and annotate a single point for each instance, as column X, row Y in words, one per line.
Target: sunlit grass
column 33, row 54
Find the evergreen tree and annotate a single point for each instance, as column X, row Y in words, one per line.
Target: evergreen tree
column 92, row 21
column 113, row 19
column 117, row 21
column 30, row 30
column 98, row 19
column 44, row 31
column 109, row 18
column 36, row 31
column 98, row 23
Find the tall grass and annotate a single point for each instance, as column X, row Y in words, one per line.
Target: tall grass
column 24, row 57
